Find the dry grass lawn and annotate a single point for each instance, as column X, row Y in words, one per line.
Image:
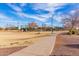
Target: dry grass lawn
column 16, row 39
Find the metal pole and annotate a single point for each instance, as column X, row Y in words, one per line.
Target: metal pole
column 52, row 24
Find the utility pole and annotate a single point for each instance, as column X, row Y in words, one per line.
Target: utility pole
column 51, row 24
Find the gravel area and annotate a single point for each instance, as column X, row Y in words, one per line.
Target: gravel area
column 66, row 45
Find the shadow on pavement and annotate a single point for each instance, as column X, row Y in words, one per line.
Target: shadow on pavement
column 72, row 45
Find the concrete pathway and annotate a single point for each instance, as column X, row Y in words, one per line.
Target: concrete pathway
column 43, row 47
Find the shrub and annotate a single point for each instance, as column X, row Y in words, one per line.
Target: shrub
column 72, row 31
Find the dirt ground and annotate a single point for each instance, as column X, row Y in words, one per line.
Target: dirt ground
column 66, row 45
column 7, row 51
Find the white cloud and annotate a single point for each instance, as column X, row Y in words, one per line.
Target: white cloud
column 73, row 11
column 45, row 15
column 4, row 20
column 22, row 4
column 14, row 7
column 22, row 14
column 58, row 18
column 4, row 17
column 31, row 16
column 51, row 7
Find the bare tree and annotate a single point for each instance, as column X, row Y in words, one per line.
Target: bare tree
column 71, row 20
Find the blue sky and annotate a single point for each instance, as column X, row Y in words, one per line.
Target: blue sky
column 23, row 13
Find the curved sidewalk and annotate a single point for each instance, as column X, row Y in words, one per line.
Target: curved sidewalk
column 43, row 47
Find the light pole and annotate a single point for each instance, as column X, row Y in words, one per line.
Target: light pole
column 51, row 24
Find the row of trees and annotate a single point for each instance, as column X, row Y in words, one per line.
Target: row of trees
column 32, row 26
